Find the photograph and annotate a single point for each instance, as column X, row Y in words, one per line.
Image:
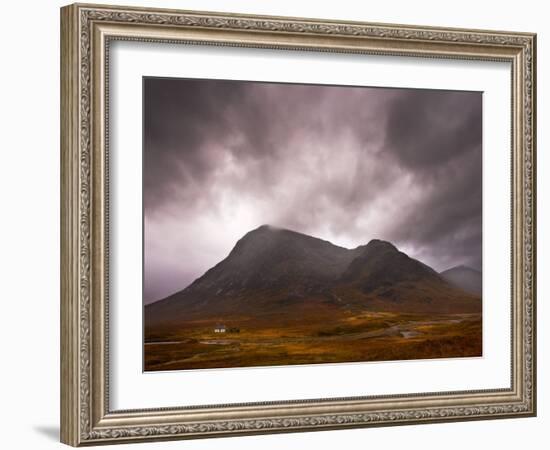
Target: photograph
column 288, row 224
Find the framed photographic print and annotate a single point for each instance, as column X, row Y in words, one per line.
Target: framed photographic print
column 275, row 224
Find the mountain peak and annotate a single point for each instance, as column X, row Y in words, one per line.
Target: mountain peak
column 261, row 233
column 276, row 235
column 267, row 227
column 378, row 247
column 267, row 230
column 465, row 278
column 380, row 244
column 269, row 257
column 381, row 264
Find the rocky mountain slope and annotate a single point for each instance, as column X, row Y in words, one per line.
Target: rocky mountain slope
column 286, row 275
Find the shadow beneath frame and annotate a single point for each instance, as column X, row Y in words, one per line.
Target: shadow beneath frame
column 49, row 431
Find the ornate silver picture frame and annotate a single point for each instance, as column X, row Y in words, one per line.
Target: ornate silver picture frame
column 87, row 33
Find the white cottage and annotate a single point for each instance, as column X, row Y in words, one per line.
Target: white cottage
column 220, row 328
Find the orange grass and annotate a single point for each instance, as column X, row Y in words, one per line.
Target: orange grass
column 362, row 337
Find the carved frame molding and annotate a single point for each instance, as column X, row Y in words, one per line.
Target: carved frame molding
column 86, row 31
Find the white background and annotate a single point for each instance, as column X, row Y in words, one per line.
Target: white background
column 132, row 389
column 29, row 233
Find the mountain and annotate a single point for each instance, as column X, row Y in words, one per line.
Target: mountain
column 380, row 264
column 282, row 274
column 465, row 278
column 386, row 279
column 269, row 257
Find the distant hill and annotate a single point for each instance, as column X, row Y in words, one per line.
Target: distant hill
column 278, row 274
column 465, row 278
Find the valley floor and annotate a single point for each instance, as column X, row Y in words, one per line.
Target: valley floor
column 370, row 336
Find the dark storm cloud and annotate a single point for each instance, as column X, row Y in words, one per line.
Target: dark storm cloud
column 187, row 122
column 342, row 163
column 429, row 128
column 437, row 136
column 177, row 121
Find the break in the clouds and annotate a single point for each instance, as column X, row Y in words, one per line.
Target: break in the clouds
column 346, row 164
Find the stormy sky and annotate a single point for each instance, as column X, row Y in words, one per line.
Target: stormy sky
column 346, row 164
